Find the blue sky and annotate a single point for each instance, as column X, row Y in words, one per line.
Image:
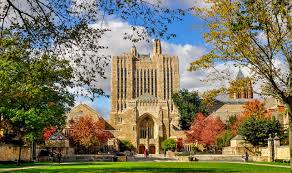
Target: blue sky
column 188, row 45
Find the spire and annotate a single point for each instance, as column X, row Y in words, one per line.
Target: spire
column 134, row 50
column 157, row 47
column 240, row 75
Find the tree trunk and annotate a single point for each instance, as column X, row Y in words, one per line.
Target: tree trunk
column 19, row 155
column 290, row 134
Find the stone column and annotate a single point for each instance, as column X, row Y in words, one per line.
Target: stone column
column 276, row 145
column 270, row 147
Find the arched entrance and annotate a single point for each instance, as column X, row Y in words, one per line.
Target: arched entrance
column 152, row 149
column 145, row 134
column 141, row 149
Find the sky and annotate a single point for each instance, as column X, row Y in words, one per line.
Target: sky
column 188, row 45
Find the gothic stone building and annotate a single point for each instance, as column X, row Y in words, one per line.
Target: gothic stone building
column 142, row 110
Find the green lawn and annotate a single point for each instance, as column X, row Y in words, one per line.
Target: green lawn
column 202, row 167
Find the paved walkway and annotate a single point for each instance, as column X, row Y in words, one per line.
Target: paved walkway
column 72, row 163
column 262, row 164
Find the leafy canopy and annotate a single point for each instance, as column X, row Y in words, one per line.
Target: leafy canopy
column 205, row 130
column 256, row 130
column 73, row 30
column 188, row 104
column 253, row 34
column 87, row 131
column 168, row 144
column 33, row 89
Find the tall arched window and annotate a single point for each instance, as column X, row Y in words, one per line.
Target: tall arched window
column 147, row 128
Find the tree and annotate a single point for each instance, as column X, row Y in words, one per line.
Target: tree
column 126, row 145
column 188, row 104
column 48, row 132
column 67, row 28
column 205, row 130
column 253, row 34
column 168, row 144
column 257, row 130
column 223, row 139
column 213, row 128
column 198, row 124
column 253, row 108
column 33, row 90
column 89, row 132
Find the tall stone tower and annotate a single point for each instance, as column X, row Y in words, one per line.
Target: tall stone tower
column 241, row 87
column 142, row 110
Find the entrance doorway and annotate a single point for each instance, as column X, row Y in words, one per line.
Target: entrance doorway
column 141, row 149
column 152, row 149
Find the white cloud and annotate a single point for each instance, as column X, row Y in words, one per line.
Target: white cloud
column 117, row 45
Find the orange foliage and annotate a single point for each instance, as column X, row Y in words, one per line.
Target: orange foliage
column 88, row 132
column 48, row 132
column 205, row 130
column 253, row 108
column 193, row 135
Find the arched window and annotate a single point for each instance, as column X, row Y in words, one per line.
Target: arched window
column 147, row 128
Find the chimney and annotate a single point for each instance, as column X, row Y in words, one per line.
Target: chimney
column 157, row 47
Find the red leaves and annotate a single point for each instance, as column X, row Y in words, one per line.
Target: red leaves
column 47, row 133
column 205, row 130
column 88, row 132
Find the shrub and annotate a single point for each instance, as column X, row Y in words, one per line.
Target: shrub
column 126, row 145
column 168, row 144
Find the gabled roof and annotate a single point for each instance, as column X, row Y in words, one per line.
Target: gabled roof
column 74, row 113
column 57, row 136
column 237, row 137
column 146, row 98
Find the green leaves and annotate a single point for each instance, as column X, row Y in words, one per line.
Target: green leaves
column 256, row 130
column 168, row 144
column 33, row 90
column 254, row 34
column 188, row 104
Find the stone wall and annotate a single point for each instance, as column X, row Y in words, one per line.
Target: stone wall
column 263, row 153
column 283, row 153
column 11, row 152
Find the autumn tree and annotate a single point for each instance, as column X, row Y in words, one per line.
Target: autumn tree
column 205, row 130
column 88, row 132
column 194, row 134
column 73, row 29
column 254, row 108
column 188, row 104
column 48, row 132
column 253, row 34
column 33, row 90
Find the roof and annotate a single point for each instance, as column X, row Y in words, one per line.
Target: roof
column 146, row 98
column 237, row 137
column 226, row 111
column 240, row 75
column 81, row 110
column 57, row 136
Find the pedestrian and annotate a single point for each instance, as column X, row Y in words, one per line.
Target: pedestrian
column 145, row 153
column 59, row 156
column 246, row 156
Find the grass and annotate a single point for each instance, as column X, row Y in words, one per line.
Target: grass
column 196, row 167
